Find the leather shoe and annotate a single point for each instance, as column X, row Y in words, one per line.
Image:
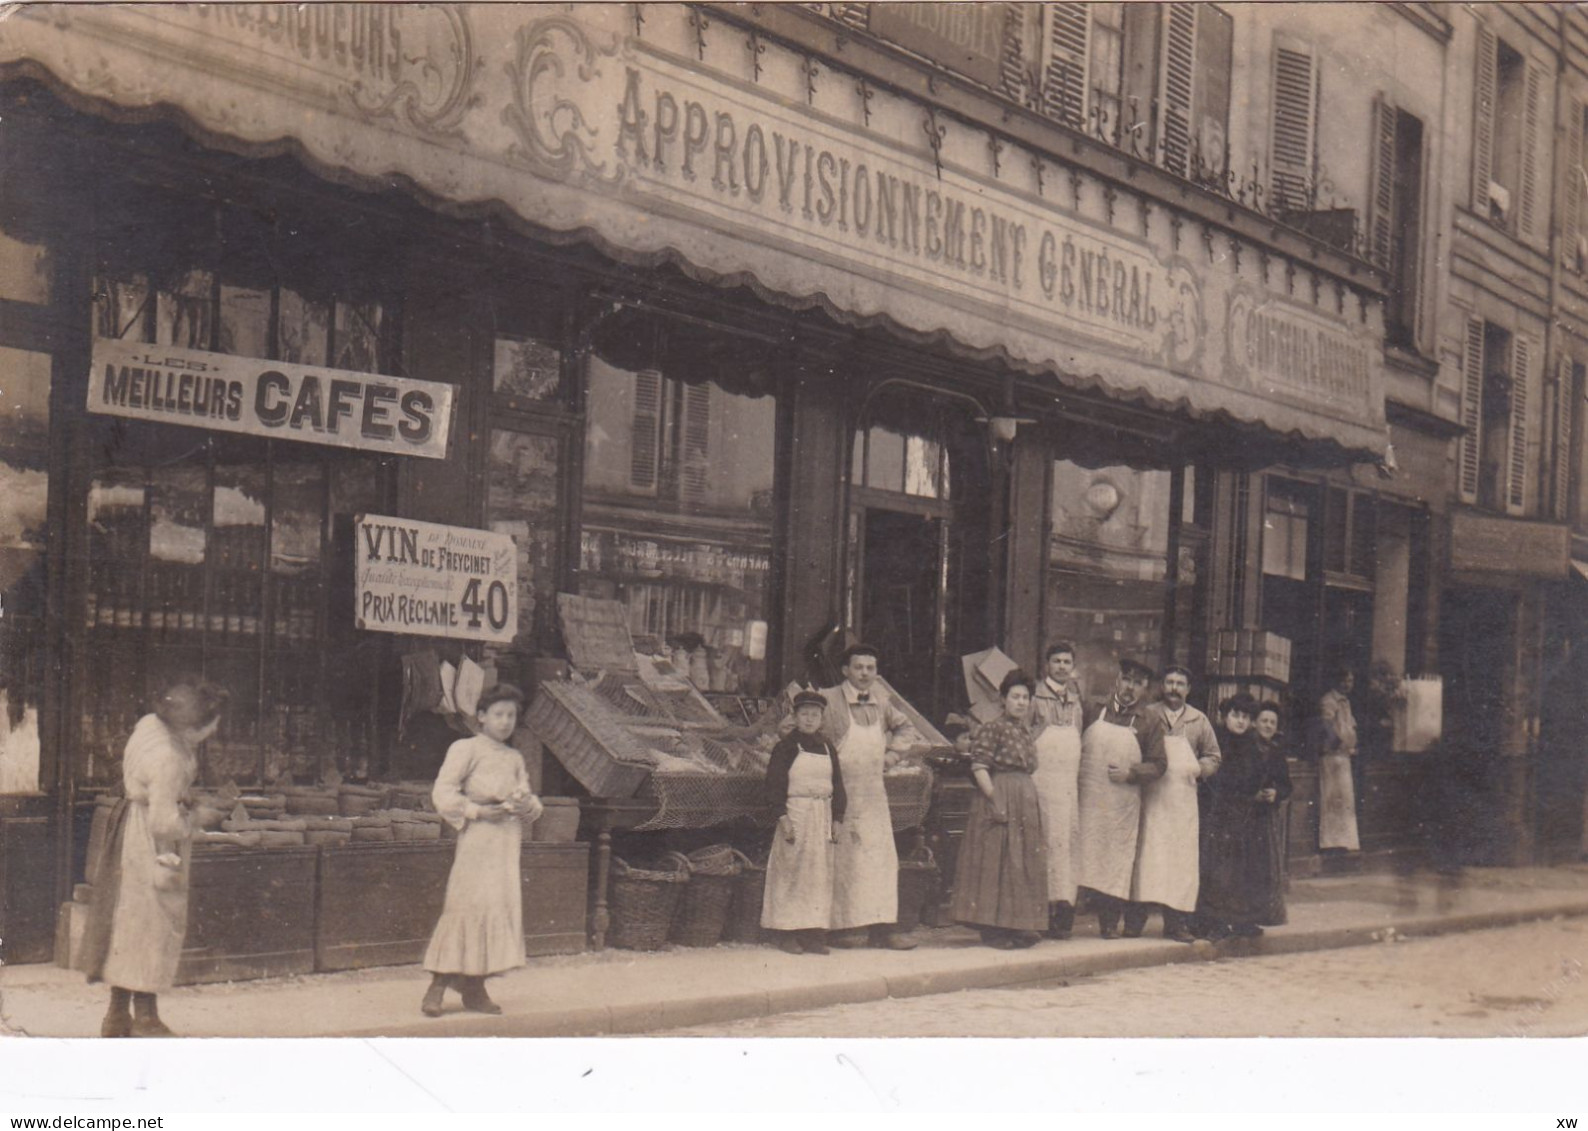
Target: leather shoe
column 1181, row 935
column 1132, row 934
column 1107, row 933
column 1025, row 939
column 788, row 944
column 815, row 948
column 149, row 1027
column 895, row 942
column 847, row 942
column 116, row 1025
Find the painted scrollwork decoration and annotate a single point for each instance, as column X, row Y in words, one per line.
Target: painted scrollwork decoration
column 442, row 90
column 555, row 138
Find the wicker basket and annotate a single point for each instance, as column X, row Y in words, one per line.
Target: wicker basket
column 713, row 875
column 744, row 913
column 642, row 903
column 917, row 882
column 581, row 731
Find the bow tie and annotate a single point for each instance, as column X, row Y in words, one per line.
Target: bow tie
column 863, row 697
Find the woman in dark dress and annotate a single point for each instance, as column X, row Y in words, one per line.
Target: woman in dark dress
column 1001, row 880
column 1242, row 877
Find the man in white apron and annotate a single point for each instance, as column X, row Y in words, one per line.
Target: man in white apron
column 1121, row 750
column 869, row 732
column 1056, row 724
column 1167, row 855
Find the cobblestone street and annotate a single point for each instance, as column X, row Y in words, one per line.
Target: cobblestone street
column 1529, row 980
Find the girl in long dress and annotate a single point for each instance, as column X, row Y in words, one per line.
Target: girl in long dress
column 483, row 792
column 805, row 788
column 1001, row 879
column 140, row 876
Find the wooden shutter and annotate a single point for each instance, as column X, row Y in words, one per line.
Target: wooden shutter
column 1471, row 411
column 1069, row 51
column 1562, row 466
column 1532, row 106
column 1483, row 94
column 1571, row 220
column 1524, row 356
column 1381, row 196
column 1215, row 48
column 645, row 451
column 695, row 478
column 1293, row 141
column 1177, row 84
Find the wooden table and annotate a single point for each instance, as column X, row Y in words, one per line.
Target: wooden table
column 599, row 818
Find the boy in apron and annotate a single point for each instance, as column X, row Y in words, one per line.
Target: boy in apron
column 1168, row 872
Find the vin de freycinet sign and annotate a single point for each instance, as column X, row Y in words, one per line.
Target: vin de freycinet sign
column 431, row 580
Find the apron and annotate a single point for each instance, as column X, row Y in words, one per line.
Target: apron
column 1109, row 812
column 1167, row 863
column 799, row 876
column 1337, row 795
column 1057, row 778
column 866, row 865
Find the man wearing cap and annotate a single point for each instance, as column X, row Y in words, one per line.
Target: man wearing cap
column 1167, row 870
column 869, row 732
column 1121, row 751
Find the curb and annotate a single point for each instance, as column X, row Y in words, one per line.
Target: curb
column 638, row 1018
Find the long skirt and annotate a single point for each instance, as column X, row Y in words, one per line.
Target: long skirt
column 1337, row 808
column 1240, row 874
column 140, row 945
column 1001, row 879
column 1277, row 830
column 481, row 929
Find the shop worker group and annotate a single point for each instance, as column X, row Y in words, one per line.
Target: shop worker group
column 1126, row 806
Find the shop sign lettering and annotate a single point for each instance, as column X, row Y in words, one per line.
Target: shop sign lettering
column 1283, row 349
column 1495, row 544
column 967, row 38
column 426, row 579
column 270, row 398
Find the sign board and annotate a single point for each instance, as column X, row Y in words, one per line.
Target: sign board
column 270, row 398
column 1483, row 543
column 967, row 38
column 426, row 579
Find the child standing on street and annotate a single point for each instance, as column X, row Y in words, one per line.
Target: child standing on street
column 483, row 792
column 805, row 791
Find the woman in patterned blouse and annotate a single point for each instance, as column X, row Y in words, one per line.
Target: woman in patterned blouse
column 1001, row 880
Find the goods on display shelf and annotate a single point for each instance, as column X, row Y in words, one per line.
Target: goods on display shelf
column 1248, row 653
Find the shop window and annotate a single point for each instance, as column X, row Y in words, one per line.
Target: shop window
column 226, row 556
column 522, row 500
column 888, row 459
column 24, row 497
column 1108, row 565
column 1285, row 536
column 677, row 517
column 1395, row 216
column 526, row 368
column 1508, row 93
column 26, row 270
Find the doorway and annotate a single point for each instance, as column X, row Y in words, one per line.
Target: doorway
column 901, row 599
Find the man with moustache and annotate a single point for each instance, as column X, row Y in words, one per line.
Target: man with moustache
column 1121, row 751
column 1167, row 872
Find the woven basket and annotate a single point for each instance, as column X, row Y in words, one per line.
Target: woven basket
column 744, row 913
column 582, row 733
column 713, row 876
column 917, row 883
column 642, row 903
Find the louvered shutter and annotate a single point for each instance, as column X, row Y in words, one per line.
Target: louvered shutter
column 1471, row 411
column 1483, row 93
column 1524, row 356
column 1295, row 119
column 695, row 479
column 1012, row 59
column 645, row 451
column 1381, row 197
column 1177, row 84
column 1562, row 468
column 1064, row 74
column 1532, row 107
column 1571, row 220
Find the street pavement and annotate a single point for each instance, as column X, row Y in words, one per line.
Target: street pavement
column 1524, row 981
column 621, row 992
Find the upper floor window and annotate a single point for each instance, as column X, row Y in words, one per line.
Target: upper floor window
column 1499, row 370
column 1507, row 102
column 1574, row 233
column 1395, row 216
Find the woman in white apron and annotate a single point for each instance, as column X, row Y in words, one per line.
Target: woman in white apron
column 1168, row 863
column 1336, row 791
column 1056, row 723
column 1109, row 796
column 805, row 792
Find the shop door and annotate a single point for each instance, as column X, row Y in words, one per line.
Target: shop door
column 901, row 598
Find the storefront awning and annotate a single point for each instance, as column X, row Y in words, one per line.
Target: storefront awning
column 657, row 139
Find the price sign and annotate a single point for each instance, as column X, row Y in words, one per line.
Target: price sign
column 427, row 579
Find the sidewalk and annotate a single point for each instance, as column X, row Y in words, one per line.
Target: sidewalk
column 623, row 992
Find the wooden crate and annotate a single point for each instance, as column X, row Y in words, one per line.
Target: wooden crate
column 250, row 915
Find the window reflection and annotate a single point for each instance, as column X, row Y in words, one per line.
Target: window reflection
column 183, row 311
column 678, row 518
column 358, row 337
column 24, row 535
column 304, row 328
column 524, row 367
column 120, row 307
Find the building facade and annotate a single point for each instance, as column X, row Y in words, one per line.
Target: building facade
column 945, row 326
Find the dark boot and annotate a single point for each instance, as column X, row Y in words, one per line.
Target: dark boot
column 146, row 1017
column 1174, row 926
column 1061, row 920
column 1108, row 920
column 1136, row 919
column 789, row 942
column 475, row 999
column 118, row 1018
column 997, row 938
column 813, row 941
column 431, row 1005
